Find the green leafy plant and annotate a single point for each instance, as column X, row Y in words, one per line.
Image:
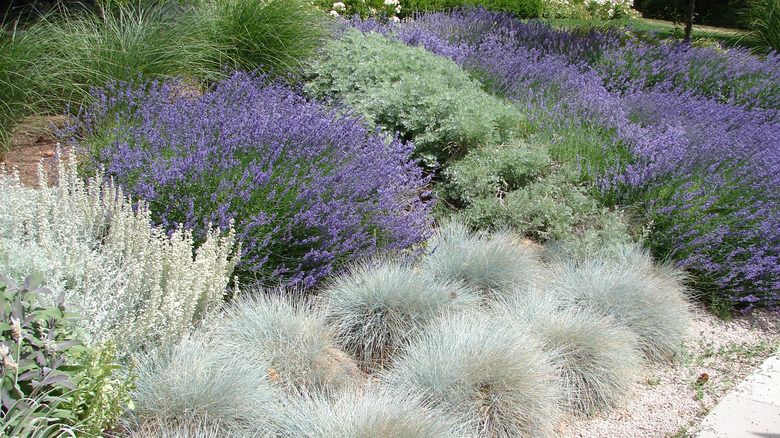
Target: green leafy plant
column 35, row 367
column 520, row 187
column 104, row 389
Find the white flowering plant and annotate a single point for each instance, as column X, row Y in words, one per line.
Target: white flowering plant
column 591, row 9
column 133, row 283
column 387, row 9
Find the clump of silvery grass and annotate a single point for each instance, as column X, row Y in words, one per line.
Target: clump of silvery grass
column 492, row 263
column 495, row 378
column 288, row 339
column 187, row 428
column 195, row 384
column 372, row 413
column 381, row 304
column 626, row 285
column 597, row 359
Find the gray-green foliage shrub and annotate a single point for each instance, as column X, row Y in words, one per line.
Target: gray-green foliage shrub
column 494, row 263
column 378, row 306
column 624, row 284
column 288, row 339
column 426, row 98
column 492, row 376
column 518, row 186
column 596, row 358
column 374, row 412
column 194, row 383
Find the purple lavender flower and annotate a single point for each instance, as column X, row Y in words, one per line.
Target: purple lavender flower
column 306, row 187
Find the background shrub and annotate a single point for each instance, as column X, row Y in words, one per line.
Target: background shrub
column 520, row 187
column 306, row 187
column 133, row 283
column 426, row 99
column 378, row 306
column 491, row 376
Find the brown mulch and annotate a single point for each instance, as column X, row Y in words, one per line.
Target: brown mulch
column 33, row 140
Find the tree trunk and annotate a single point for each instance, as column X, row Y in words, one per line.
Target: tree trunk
column 689, row 21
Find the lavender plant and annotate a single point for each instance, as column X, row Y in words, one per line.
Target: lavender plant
column 307, row 187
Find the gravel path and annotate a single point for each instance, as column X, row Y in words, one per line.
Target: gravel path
column 672, row 399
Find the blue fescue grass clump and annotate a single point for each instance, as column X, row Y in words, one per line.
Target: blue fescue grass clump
column 378, row 306
column 193, row 383
column 270, row 329
column 373, row 412
column 493, row 263
column 305, row 186
column 624, row 284
column 492, row 376
column 597, row 359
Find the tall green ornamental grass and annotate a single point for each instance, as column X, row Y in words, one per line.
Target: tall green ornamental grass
column 492, row 376
column 156, row 40
column 763, row 19
column 378, row 306
column 273, row 35
column 20, row 73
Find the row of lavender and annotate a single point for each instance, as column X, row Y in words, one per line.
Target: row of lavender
column 691, row 135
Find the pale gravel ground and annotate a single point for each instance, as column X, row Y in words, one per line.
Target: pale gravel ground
column 666, row 400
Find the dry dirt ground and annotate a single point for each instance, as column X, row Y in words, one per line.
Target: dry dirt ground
column 670, row 399
column 33, row 142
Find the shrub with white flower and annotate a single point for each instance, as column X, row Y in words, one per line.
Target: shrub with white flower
column 387, row 9
column 591, row 9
